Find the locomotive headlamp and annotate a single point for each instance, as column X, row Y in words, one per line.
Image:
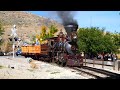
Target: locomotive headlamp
column 70, row 26
column 75, row 37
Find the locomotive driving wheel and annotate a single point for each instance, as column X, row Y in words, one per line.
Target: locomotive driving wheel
column 61, row 60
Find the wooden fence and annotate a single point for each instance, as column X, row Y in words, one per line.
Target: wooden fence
column 101, row 62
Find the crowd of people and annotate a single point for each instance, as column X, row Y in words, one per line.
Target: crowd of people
column 108, row 56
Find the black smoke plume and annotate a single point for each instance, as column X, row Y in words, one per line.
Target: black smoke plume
column 68, row 20
column 67, row 17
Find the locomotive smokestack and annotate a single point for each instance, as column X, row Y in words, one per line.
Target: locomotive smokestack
column 67, row 17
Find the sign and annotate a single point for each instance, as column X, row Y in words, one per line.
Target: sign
column 14, row 31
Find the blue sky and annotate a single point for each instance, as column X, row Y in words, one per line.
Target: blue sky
column 110, row 20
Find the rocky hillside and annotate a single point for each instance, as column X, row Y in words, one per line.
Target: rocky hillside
column 27, row 24
column 24, row 18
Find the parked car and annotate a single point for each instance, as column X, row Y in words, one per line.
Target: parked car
column 9, row 53
column 19, row 52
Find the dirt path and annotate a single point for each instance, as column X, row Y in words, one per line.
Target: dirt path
column 19, row 68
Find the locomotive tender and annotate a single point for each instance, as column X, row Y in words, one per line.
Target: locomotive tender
column 62, row 49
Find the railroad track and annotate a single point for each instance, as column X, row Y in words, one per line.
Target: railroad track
column 93, row 73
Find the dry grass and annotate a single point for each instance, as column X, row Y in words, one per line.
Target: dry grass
column 33, row 65
column 1, row 67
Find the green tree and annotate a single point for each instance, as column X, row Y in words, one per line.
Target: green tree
column 109, row 45
column 116, row 39
column 44, row 34
column 93, row 40
column 53, row 30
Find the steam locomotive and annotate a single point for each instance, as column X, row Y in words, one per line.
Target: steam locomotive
column 62, row 49
column 65, row 49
